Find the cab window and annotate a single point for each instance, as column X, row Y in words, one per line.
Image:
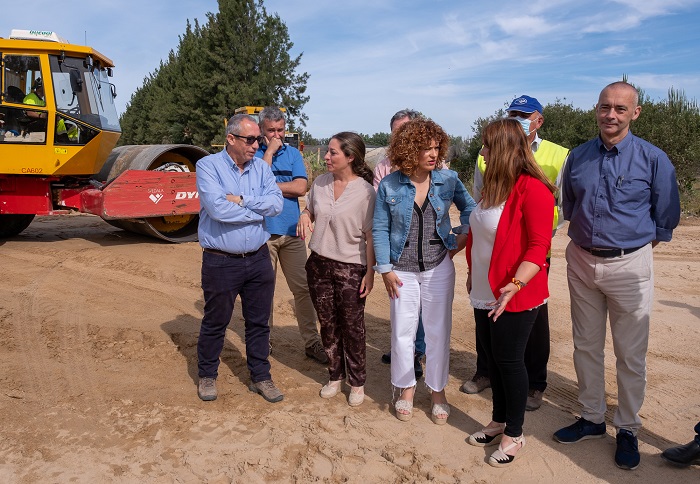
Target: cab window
column 22, row 84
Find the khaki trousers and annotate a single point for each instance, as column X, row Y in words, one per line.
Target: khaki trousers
column 623, row 289
column 291, row 254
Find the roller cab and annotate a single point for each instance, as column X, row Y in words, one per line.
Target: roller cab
column 58, row 128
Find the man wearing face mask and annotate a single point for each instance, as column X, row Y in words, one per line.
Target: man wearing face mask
column 551, row 158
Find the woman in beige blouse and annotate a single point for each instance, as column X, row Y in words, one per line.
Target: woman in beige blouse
column 340, row 205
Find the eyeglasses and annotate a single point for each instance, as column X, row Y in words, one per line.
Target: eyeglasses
column 249, row 140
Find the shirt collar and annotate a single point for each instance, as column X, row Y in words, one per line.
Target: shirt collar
column 435, row 177
column 536, row 143
column 619, row 147
column 232, row 164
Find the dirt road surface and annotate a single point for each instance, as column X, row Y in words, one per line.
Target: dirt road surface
column 98, row 332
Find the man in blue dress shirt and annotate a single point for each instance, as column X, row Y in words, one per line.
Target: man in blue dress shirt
column 236, row 191
column 621, row 197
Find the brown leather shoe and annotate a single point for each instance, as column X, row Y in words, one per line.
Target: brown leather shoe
column 268, row 390
column 206, row 389
column 317, row 352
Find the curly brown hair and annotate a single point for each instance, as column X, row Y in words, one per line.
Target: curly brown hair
column 413, row 137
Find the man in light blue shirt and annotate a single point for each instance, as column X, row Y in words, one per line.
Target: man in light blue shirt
column 236, row 191
column 621, row 197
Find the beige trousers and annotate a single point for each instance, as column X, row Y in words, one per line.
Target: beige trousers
column 623, row 289
column 291, row 254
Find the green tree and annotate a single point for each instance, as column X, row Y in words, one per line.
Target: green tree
column 240, row 57
column 674, row 126
column 566, row 125
column 377, row 139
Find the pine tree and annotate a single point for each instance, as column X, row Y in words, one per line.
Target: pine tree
column 240, row 57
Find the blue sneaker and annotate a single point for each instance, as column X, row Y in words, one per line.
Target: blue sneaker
column 627, row 453
column 581, row 430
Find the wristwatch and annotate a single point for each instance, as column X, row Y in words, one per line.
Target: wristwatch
column 240, row 202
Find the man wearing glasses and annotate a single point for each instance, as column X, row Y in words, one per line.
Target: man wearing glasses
column 288, row 167
column 236, row 191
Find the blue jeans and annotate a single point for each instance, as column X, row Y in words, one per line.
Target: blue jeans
column 224, row 278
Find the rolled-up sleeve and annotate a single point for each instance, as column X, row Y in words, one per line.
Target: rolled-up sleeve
column 665, row 198
column 380, row 232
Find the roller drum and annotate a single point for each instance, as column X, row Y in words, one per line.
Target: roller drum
column 176, row 228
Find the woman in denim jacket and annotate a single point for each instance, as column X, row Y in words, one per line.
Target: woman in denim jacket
column 414, row 247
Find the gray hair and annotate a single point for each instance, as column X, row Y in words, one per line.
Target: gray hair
column 404, row 113
column 270, row 113
column 234, row 124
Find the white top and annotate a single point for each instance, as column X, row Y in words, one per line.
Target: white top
column 483, row 223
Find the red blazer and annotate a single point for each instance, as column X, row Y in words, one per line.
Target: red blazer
column 524, row 232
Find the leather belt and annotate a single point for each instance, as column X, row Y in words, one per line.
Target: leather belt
column 608, row 253
column 229, row 254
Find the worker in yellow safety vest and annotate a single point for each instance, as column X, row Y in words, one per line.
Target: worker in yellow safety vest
column 551, row 158
column 36, row 98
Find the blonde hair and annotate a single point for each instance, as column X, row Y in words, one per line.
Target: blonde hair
column 510, row 156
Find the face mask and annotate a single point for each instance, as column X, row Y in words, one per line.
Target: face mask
column 525, row 123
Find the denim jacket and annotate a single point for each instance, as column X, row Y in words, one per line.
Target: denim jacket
column 394, row 207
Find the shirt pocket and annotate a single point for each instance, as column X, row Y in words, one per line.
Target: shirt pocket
column 632, row 194
column 392, row 200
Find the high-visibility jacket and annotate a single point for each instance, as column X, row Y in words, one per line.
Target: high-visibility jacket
column 33, row 100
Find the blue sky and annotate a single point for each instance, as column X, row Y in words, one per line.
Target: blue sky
column 454, row 61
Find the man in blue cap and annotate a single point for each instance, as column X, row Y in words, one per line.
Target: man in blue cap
column 551, row 158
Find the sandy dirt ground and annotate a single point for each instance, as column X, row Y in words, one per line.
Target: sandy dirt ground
column 98, row 333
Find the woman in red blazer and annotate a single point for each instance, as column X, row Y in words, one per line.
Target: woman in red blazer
column 509, row 236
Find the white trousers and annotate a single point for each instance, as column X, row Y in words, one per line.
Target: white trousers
column 432, row 293
column 621, row 288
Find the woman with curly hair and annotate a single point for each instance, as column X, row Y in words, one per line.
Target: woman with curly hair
column 414, row 243
column 339, row 270
column 509, row 237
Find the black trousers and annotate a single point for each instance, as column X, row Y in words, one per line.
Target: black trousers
column 536, row 351
column 224, row 278
column 504, row 344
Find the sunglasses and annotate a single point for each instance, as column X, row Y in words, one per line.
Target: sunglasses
column 249, row 140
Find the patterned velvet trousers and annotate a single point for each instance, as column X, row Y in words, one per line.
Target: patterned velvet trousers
column 335, row 291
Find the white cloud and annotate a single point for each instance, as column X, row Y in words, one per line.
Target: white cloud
column 525, row 26
column 615, row 50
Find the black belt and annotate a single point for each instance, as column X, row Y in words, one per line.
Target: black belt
column 229, row 254
column 608, row 253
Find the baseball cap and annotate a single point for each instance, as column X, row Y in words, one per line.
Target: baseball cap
column 525, row 104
